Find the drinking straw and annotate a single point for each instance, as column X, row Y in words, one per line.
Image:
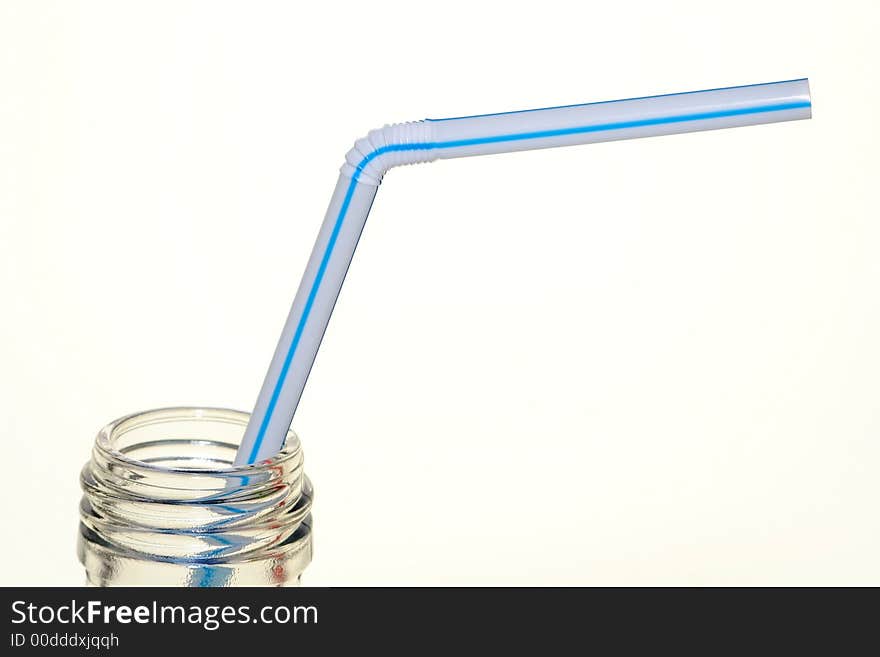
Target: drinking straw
column 424, row 141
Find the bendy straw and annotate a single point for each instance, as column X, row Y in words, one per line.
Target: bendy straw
column 424, row 141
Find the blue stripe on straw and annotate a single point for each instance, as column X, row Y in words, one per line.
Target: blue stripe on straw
column 541, row 134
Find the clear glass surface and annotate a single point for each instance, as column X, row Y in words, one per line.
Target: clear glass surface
column 163, row 505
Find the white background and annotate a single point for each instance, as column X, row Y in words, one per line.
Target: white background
column 644, row 362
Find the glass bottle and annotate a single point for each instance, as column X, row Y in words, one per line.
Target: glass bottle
column 163, row 505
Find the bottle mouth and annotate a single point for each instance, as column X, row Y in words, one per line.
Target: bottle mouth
column 187, row 453
column 146, row 440
column 161, row 485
